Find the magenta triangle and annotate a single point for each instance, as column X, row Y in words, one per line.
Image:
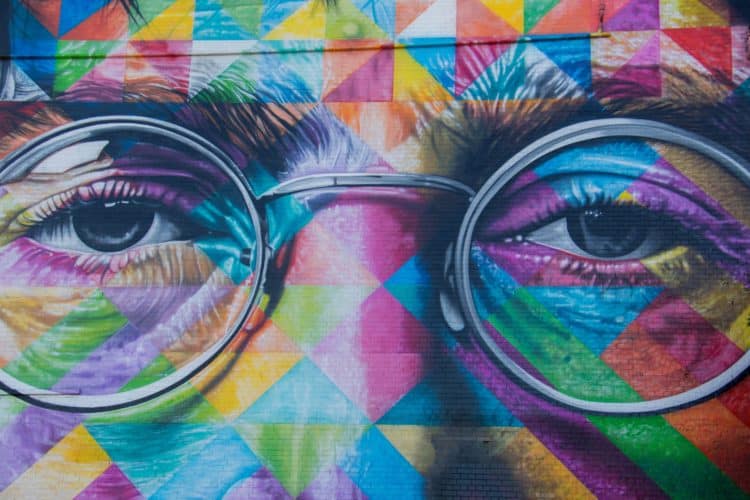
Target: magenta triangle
column 373, row 81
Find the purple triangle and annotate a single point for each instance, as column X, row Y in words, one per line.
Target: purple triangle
column 261, row 485
column 111, row 484
column 332, row 483
column 147, row 306
column 638, row 15
column 373, row 81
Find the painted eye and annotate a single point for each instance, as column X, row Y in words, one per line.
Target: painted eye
column 108, row 227
column 614, row 232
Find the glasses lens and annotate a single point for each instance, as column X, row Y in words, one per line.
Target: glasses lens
column 617, row 270
column 121, row 256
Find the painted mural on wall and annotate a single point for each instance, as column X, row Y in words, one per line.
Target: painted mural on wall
column 375, row 249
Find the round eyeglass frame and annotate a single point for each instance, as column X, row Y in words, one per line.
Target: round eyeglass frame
column 458, row 265
column 608, row 128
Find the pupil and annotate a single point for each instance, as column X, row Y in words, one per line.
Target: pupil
column 111, row 227
column 608, row 232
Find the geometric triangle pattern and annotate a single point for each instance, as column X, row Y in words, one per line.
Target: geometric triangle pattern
column 347, row 382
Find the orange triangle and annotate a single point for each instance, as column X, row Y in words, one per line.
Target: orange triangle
column 569, row 16
column 107, row 23
column 47, row 12
column 366, row 118
column 342, row 58
column 474, row 20
column 408, row 10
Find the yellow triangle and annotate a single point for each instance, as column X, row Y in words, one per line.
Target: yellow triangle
column 66, row 469
column 412, row 82
column 175, row 23
column 688, row 14
column 422, row 446
column 511, row 11
column 308, row 22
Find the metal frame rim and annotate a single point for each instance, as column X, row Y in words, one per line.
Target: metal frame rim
column 574, row 134
column 80, row 130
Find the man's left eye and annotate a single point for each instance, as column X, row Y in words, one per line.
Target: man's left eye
column 108, row 227
column 611, row 232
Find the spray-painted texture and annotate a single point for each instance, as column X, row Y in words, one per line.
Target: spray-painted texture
column 374, row 249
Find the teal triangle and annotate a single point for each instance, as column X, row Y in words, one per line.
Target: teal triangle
column 212, row 22
column 380, row 471
column 227, row 457
column 297, row 63
column 450, row 396
column 304, row 395
column 595, row 315
column 381, row 13
column 437, row 56
column 149, row 454
column 275, row 12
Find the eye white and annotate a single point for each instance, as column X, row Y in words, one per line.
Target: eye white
column 62, row 234
column 557, row 235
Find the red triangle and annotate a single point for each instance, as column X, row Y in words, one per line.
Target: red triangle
column 712, row 47
column 107, row 23
column 475, row 20
column 408, row 10
column 170, row 59
column 472, row 58
column 373, row 81
column 46, row 12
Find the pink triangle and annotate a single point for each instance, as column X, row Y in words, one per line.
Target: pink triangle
column 373, row 81
column 641, row 75
column 105, row 82
column 111, row 484
column 383, row 231
column 472, row 58
column 377, row 355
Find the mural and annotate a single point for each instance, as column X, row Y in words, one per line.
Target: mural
column 375, row 248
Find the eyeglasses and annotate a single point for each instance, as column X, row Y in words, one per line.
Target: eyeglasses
column 605, row 265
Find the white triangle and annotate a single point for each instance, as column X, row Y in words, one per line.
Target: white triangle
column 19, row 87
column 439, row 20
column 210, row 58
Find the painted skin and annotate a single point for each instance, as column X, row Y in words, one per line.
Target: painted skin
column 374, row 350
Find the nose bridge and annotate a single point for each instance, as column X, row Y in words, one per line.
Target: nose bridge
column 344, row 180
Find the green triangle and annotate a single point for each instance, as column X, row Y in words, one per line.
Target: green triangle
column 184, row 404
column 246, row 13
column 533, row 12
column 296, row 454
column 75, row 58
column 345, row 21
column 235, row 84
column 146, row 12
column 307, row 313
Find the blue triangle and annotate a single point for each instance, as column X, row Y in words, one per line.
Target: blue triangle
column 595, row 315
column 381, row 13
column 212, row 471
column 379, row 469
column 297, row 63
column 73, row 12
column 28, row 37
column 413, row 272
column 275, row 12
column 438, row 58
column 450, row 396
column 573, row 56
column 148, row 454
column 304, row 395
column 211, row 22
